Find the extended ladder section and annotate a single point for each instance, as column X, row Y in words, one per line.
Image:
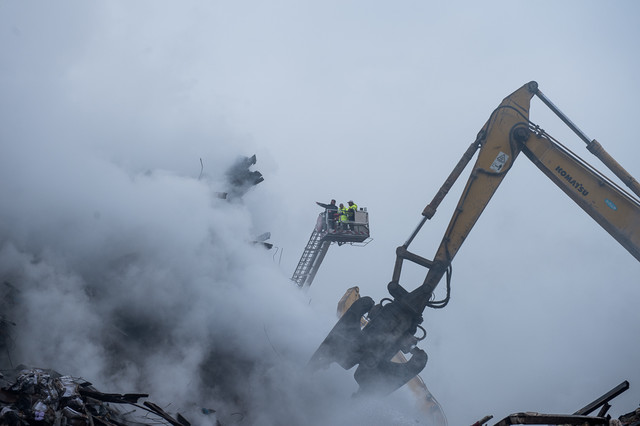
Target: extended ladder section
column 311, row 259
column 326, row 232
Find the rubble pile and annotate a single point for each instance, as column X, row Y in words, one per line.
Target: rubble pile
column 630, row 419
column 37, row 396
column 240, row 178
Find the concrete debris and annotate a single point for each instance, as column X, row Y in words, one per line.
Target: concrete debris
column 581, row 417
column 630, row 419
column 31, row 396
column 482, row 421
column 240, row 178
column 262, row 240
column 529, row 418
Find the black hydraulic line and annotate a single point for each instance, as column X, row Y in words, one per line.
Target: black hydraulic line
column 439, row 304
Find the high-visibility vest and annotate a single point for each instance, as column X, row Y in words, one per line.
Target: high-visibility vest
column 354, row 209
column 343, row 214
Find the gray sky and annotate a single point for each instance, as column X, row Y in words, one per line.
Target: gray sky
column 107, row 108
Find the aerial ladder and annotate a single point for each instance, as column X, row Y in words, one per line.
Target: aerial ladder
column 328, row 231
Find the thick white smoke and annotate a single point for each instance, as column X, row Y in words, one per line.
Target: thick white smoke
column 121, row 263
column 146, row 280
column 125, row 267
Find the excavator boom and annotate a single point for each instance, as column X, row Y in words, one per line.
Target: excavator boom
column 614, row 209
column 392, row 326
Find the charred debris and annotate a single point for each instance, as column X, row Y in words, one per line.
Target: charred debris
column 40, row 396
column 240, row 178
column 582, row 417
column 33, row 396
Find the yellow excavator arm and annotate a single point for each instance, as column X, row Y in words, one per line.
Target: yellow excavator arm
column 508, row 132
column 615, row 210
column 504, row 136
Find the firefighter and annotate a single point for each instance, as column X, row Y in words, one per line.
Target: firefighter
column 343, row 213
column 330, row 213
column 351, row 213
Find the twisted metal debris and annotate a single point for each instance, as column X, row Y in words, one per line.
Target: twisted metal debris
column 30, row 396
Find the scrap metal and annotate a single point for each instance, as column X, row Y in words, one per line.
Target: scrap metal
column 40, row 396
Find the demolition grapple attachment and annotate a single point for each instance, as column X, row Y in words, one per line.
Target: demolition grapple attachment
column 371, row 341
